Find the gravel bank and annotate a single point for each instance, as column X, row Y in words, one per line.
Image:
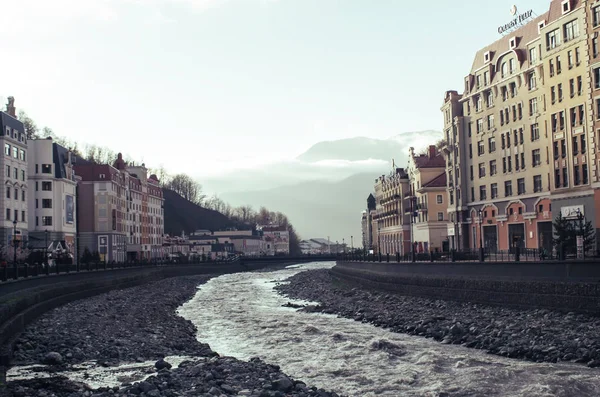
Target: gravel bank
column 535, row 335
column 134, row 325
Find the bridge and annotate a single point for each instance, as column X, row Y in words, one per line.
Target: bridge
column 27, row 293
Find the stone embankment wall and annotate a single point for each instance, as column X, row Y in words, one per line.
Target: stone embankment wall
column 559, row 286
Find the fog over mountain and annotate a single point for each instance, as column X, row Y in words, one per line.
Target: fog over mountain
column 324, row 190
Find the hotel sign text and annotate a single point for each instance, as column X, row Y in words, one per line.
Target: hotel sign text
column 515, row 22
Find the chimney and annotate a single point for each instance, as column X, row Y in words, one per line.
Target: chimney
column 10, row 107
column 432, row 151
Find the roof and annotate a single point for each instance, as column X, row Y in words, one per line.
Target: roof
column 524, row 34
column 425, row 161
column 438, row 181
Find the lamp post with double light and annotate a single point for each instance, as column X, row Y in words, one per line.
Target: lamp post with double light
column 481, row 253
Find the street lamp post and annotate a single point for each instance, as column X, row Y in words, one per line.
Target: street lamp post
column 46, row 252
column 481, row 253
column 16, row 275
column 352, row 243
column 344, row 245
column 378, row 237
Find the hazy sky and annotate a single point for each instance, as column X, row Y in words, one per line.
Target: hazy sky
column 212, row 85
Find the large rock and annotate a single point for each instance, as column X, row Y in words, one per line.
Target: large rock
column 283, row 384
column 53, row 358
column 162, row 364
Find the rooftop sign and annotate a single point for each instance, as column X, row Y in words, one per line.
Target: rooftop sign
column 517, row 21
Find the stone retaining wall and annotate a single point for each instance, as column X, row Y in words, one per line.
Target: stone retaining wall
column 566, row 295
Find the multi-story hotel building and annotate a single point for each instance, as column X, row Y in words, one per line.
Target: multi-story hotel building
column 13, row 201
column 391, row 234
column 521, row 138
column 427, row 176
column 52, row 198
column 367, row 224
column 102, row 210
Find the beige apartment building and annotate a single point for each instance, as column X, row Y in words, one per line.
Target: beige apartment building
column 391, row 228
column 521, row 137
column 427, row 176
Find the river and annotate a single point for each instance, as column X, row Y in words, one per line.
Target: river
column 240, row 315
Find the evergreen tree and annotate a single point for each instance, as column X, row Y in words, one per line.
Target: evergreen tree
column 566, row 232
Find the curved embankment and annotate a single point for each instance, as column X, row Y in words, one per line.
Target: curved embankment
column 139, row 324
column 22, row 301
column 538, row 335
column 568, row 287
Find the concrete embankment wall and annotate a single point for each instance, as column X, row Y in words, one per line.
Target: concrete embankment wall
column 22, row 301
column 559, row 286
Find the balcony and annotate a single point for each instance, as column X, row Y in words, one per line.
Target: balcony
column 421, row 207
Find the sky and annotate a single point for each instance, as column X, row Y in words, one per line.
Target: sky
column 211, row 86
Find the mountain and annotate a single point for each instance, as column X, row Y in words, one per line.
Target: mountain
column 361, row 148
column 316, row 208
column 183, row 215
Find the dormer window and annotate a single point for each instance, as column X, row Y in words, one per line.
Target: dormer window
column 566, row 6
column 513, row 43
column 486, row 57
column 541, row 25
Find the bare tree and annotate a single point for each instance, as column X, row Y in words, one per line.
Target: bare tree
column 187, row 188
column 31, row 129
column 245, row 214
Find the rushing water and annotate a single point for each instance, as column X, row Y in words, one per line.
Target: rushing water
column 240, row 315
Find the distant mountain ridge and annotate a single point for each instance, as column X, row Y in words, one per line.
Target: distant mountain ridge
column 362, row 148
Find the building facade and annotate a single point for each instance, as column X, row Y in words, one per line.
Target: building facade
column 52, row 199
column 391, row 229
column 367, row 224
column 427, row 176
column 13, row 201
column 521, row 138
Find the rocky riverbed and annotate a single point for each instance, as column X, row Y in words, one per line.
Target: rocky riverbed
column 534, row 335
column 136, row 325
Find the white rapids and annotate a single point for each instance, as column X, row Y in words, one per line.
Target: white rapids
column 240, row 315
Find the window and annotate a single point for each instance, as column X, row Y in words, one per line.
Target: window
column 486, row 78
column 535, row 132
column 504, row 69
column 565, row 176
column 8, row 190
column 15, row 152
column 46, row 186
column 478, row 81
column 46, row 168
column 566, row 6
column 490, row 121
column 16, row 194
column 516, row 162
column 537, row 183
column 521, row 186
column 494, row 190
column 533, row 106
column 513, row 89
column 516, row 135
column 511, row 64
column 553, row 94
column 46, row 203
column 8, row 214
column 509, row 163
column 521, row 136
column 536, row 158
column 553, row 39
column 555, row 150
column 471, row 171
column 560, row 92
column 584, row 172
column 490, row 99
column 551, row 67
column 570, row 59
column 481, row 170
column 577, row 56
column 532, row 55
column 561, row 120
column 22, row 156
column 16, row 217
column 492, row 145
column 440, row 216
column 482, row 193
column 556, row 179
column 472, row 194
column 504, row 165
column 479, row 126
column 507, row 188
column 46, row 221
column 7, row 149
column 575, row 145
column 558, row 66
column 493, row 168
column 480, row 148
column 22, row 195
column 576, row 177
column 571, row 30
column 563, row 148
column 532, row 81
column 439, row 199
column 596, row 16
column 583, row 145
